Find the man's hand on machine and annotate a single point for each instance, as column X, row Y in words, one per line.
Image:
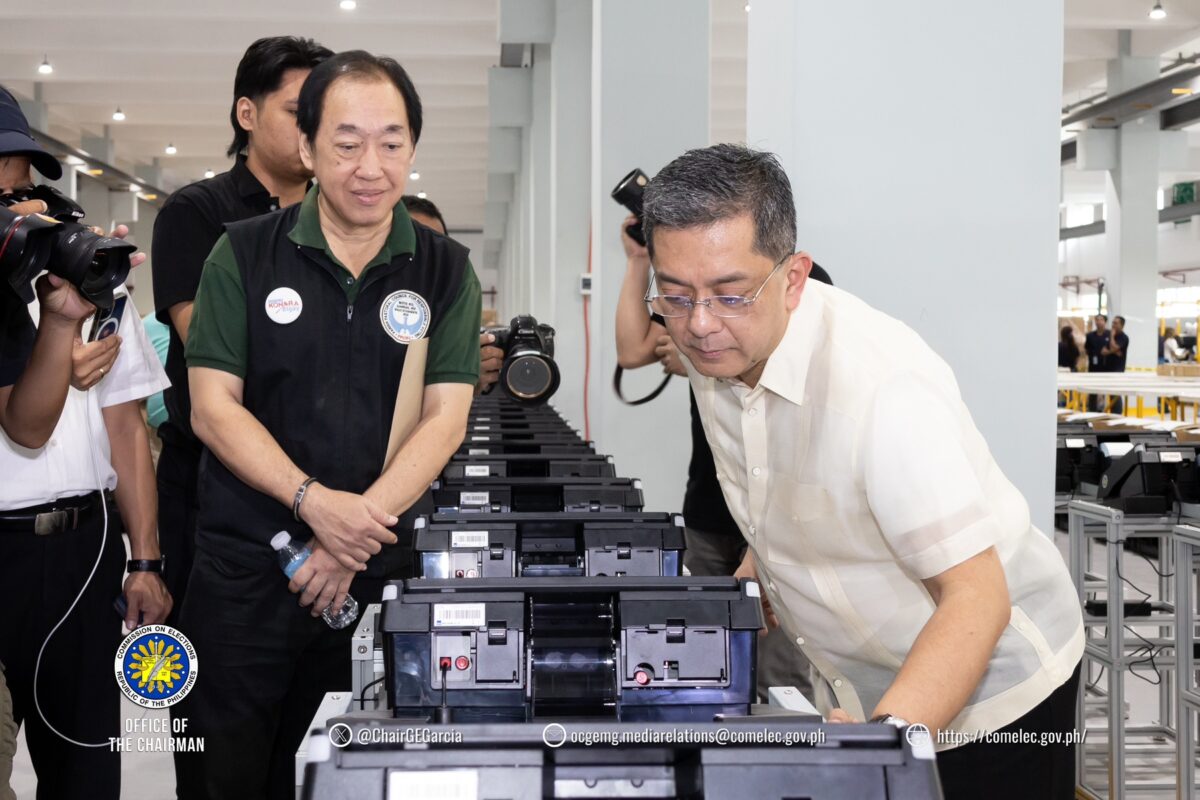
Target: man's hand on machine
column 321, row 581
column 147, row 599
column 350, row 527
column 747, row 569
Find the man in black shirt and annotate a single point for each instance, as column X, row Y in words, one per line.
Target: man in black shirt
column 1118, row 347
column 1094, row 344
column 1114, row 356
column 267, row 175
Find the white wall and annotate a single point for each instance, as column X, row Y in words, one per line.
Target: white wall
column 922, row 140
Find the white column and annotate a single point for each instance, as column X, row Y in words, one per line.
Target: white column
column 1131, row 218
column 924, row 161
column 569, row 102
column 650, row 99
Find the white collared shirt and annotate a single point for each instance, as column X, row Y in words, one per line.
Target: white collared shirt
column 68, row 465
column 854, row 471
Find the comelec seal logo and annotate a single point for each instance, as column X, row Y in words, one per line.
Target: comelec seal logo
column 284, row 305
column 405, row 316
column 156, row 666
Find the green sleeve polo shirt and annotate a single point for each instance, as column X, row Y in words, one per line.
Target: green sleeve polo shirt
column 217, row 334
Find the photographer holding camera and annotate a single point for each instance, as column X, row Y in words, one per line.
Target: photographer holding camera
column 64, row 452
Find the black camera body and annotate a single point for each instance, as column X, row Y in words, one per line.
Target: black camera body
column 56, row 241
column 629, row 194
column 529, row 374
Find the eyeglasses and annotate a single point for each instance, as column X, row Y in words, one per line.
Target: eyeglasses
column 719, row 305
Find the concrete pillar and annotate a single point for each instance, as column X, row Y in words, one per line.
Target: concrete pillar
column 945, row 218
column 1131, row 227
column 570, row 194
column 650, row 101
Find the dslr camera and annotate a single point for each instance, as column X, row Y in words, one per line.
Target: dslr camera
column 529, row 374
column 56, row 241
column 629, row 194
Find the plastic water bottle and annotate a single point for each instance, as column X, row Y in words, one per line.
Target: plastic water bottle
column 291, row 557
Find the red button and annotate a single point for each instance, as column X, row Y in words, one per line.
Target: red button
column 641, row 677
column 444, row 662
column 458, row 573
column 462, row 662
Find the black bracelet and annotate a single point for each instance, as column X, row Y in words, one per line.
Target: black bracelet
column 299, row 498
column 158, row 565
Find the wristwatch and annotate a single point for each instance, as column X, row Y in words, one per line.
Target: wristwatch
column 158, row 565
column 890, row 719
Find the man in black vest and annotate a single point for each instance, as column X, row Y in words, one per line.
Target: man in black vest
column 332, row 353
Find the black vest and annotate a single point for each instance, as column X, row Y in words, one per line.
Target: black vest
column 323, row 384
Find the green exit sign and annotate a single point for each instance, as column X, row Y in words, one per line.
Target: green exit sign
column 1183, row 193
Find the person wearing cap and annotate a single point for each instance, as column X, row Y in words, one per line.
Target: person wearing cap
column 332, row 355
column 890, row 547
column 62, row 558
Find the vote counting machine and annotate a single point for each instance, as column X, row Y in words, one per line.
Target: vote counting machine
column 549, row 621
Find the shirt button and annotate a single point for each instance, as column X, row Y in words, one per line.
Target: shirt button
column 274, row 207
column 753, row 530
column 752, row 411
column 771, row 585
column 756, row 472
column 837, row 682
column 800, row 640
column 349, row 281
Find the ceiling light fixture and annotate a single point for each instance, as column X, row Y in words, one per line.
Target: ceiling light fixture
column 171, row 149
column 348, row 5
column 118, row 115
column 1158, row 12
column 414, row 176
column 133, row 187
column 44, row 68
column 422, row 195
column 208, row 173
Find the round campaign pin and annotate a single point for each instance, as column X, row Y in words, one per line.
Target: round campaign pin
column 156, row 666
column 284, row 305
column 405, row 316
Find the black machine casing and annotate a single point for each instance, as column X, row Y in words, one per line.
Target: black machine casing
column 529, row 465
column 1151, row 480
column 537, row 494
column 549, row 545
column 513, row 761
column 567, row 447
column 516, row 649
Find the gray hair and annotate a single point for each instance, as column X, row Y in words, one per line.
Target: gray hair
column 716, row 183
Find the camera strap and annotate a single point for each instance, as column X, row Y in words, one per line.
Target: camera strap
column 617, row 388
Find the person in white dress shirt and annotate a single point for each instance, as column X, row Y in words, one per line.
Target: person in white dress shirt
column 892, row 549
column 60, row 533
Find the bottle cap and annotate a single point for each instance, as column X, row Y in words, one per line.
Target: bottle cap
column 281, row 540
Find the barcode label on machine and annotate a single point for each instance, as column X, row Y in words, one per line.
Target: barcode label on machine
column 1075, row 443
column 468, row 538
column 478, row 451
column 458, row 784
column 476, row 470
column 1170, row 457
column 474, row 498
column 459, row 615
column 481, row 438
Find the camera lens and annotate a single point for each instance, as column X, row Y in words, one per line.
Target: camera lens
column 529, row 377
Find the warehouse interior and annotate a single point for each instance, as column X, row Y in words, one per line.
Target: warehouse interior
column 953, row 166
